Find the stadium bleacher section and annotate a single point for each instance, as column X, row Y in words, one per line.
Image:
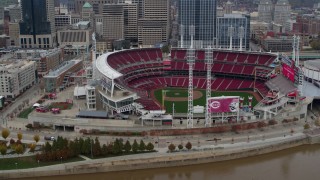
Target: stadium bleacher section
column 143, row 71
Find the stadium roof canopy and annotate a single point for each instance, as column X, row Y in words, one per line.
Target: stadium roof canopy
column 281, row 84
column 104, row 68
column 313, row 64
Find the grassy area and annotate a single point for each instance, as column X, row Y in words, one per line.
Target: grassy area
column 60, row 105
column 29, row 162
column 181, row 107
column 24, row 114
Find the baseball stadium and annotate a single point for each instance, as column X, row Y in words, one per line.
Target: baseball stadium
column 162, row 88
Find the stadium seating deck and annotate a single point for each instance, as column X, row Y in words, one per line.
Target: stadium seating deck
column 144, row 72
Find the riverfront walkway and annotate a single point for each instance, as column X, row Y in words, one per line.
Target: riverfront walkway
column 160, row 158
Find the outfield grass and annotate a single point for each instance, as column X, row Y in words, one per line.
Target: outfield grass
column 181, row 107
column 29, row 162
column 24, row 114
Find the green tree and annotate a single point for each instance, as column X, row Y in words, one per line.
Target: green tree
column 135, row 146
column 180, row 146
column 127, row 147
column 77, row 147
column 96, row 149
column 150, row 146
column 109, row 148
column 5, row 133
column 3, row 149
column 188, row 145
column 19, row 135
column 142, row 146
column 171, row 147
column 36, row 138
column 19, row 149
column 86, row 147
column 32, row 147
column 104, row 150
column 47, row 147
column 116, row 147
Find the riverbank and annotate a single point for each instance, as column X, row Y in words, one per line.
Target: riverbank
column 203, row 154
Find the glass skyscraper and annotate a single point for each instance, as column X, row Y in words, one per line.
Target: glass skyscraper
column 202, row 15
column 236, row 22
column 37, row 25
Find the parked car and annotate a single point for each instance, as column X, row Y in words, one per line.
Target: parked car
column 49, row 138
column 55, row 110
column 42, row 109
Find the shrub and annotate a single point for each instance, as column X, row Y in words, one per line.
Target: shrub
column 180, row 146
column 272, row 122
column 306, row 126
column 150, row 146
column 12, row 141
column 188, row 145
column 261, row 124
column 171, row 147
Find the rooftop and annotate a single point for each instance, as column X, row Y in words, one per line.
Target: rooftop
column 87, row 5
column 62, row 68
column 313, row 63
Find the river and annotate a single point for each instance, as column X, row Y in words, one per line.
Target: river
column 293, row 164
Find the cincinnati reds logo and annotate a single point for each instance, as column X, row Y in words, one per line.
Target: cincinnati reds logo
column 215, row 104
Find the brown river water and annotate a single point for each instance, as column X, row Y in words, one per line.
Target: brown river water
column 301, row 163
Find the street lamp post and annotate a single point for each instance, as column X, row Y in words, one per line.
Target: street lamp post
column 91, row 148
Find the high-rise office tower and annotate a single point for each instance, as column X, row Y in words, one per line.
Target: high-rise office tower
column 265, row 10
column 121, row 21
column 154, row 27
column 228, row 7
column 37, row 28
column 140, row 7
column 282, row 12
column 113, row 20
column 200, row 14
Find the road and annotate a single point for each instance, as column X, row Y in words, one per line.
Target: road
column 31, row 94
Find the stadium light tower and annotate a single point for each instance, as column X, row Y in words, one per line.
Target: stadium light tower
column 241, row 36
column 191, row 33
column 297, row 51
column 230, row 34
column 209, row 62
column 294, row 49
column 182, row 32
column 190, row 61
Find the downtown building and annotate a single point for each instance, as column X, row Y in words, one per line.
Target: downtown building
column 282, row 11
column 154, row 27
column 265, row 10
column 46, row 60
column 17, row 77
column 234, row 29
column 37, row 28
column 197, row 18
